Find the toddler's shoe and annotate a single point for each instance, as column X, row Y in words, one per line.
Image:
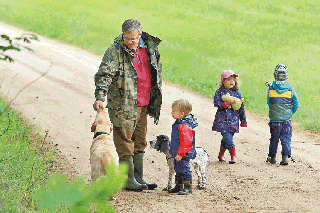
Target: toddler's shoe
column 285, row 160
column 187, row 187
column 178, row 187
column 271, row 160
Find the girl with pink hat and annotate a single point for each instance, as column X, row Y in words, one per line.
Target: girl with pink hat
column 227, row 119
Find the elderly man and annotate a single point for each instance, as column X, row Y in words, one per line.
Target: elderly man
column 130, row 74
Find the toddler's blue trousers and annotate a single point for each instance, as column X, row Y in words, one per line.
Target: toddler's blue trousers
column 182, row 168
column 280, row 131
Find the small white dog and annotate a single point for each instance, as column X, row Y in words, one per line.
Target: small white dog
column 102, row 151
column 199, row 162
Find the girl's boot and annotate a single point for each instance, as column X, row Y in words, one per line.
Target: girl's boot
column 221, row 154
column 233, row 155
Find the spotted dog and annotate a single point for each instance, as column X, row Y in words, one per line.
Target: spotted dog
column 199, row 162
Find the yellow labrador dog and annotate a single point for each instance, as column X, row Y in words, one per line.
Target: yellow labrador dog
column 102, row 151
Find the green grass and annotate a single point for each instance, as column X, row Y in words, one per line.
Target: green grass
column 24, row 161
column 200, row 40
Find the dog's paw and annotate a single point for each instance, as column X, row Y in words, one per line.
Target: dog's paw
column 166, row 189
column 201, row 187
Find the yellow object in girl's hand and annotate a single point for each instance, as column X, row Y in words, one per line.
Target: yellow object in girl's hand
column 236, row 101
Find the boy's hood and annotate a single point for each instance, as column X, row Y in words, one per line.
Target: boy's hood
column 189, row 119
column 281, row 86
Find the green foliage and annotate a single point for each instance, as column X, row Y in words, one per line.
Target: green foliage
column 23, row 161
column 77, row 196
column 16, row 46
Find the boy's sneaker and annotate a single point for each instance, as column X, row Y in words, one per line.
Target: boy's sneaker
column 285, row 160
column 271, row 160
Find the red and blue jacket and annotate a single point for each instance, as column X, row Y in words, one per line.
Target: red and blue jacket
column 183, row 137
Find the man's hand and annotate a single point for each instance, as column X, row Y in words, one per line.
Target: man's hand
column 178, row 158
column 97, row 104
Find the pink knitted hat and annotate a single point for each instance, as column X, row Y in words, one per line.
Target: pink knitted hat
column 227, row 74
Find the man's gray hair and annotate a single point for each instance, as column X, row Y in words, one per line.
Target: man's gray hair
column 132, row 24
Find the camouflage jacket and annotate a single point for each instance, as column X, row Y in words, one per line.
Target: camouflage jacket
column 117, row 79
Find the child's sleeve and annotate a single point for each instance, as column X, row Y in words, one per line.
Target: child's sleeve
column 243, row 118
column 186, row 137
column 217, row 101
column 268, row 96
column 295, row 101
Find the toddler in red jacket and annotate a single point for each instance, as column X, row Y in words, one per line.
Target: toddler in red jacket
column 182, row 145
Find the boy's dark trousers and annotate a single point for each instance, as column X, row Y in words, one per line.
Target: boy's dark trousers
column 184, row 175
column 182, row 168
column 280, row 131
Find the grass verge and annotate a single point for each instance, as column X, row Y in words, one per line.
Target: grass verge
column 25, row 161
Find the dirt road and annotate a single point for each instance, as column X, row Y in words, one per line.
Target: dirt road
column 61, row 102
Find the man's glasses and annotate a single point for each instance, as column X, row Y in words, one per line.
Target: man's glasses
column 131, row 39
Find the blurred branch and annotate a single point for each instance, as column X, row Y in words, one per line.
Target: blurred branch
column 14, row 44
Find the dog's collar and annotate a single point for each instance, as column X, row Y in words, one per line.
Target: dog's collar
column 100, row 133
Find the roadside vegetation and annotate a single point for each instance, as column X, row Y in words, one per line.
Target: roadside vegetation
column 200, row 40
column 24, row 161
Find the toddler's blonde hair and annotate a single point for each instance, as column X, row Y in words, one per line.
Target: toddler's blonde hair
column 183, row 106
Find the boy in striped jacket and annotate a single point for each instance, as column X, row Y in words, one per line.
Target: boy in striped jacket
column 283, row 102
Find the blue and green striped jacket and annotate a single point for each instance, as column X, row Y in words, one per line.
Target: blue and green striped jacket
column 282, row 100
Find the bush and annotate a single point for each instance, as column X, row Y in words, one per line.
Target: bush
column 77, row 196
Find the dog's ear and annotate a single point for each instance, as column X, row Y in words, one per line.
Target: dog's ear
column 163, row 137
column 93, row 127
column 100, row 109
column 164, row 144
